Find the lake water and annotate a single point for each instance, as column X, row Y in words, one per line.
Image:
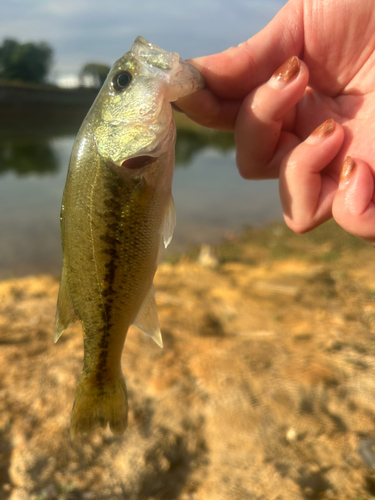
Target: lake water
column 212, row 200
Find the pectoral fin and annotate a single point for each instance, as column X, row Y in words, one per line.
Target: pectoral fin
column 65, row 314
column 169, row 222
column 147, row 318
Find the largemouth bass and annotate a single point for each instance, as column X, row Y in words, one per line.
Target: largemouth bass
column 117, row 206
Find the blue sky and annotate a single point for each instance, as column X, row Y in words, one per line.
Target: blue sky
column 82, row 31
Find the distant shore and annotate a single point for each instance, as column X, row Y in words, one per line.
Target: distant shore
column 27, row 105
column 39, row 107
column 19, row 94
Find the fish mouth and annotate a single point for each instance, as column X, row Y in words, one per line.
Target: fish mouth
column 138, row 162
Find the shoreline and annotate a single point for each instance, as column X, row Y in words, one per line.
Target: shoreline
column 36, row 105
column 274, row 241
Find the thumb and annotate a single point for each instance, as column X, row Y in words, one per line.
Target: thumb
column 353, row 206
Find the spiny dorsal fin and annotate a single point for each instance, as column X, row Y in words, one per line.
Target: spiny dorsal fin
column 147, row 318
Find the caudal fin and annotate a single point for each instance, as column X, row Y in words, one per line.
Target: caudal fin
column 95, row 405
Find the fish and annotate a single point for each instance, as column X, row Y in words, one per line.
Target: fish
column 117, row 207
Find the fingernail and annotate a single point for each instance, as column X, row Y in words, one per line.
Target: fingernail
column 324, row 129
column 321, row 132
column 285, row 73
column 346, row 171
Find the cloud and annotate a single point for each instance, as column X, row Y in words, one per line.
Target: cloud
column 97, row 30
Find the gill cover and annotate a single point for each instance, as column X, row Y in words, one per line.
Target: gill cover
column 136, row 118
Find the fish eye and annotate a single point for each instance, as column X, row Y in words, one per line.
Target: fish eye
column 121, row 80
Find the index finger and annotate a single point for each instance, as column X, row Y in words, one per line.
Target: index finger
column 234, row 73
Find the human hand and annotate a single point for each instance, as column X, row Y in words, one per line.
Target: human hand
column 272, row 121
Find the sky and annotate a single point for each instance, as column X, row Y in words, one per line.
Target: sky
column 81, row 31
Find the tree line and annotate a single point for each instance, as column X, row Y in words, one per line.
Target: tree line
column 31, row 62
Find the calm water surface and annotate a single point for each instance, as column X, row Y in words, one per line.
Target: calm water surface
column 211, row 199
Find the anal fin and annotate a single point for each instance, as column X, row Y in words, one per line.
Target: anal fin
column 65, row 314
column 147, row 318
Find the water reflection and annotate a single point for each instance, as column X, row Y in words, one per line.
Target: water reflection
column 35, row 154
column 210, row 196
column 190, row 142
column 28, row 155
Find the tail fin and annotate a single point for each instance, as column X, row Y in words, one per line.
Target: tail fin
column 97, row 404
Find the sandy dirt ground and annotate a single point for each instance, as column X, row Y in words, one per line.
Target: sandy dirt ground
column 265, row 387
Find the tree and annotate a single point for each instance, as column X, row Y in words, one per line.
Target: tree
column 28, row 62
column 94, row 74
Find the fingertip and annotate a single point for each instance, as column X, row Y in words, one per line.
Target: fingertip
column 306, row 191
column 261, row 138
column 290, row 70
column 321, row 132
column 353, row 206
column 347, row 172
column 356, row 189
column 328, row 129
